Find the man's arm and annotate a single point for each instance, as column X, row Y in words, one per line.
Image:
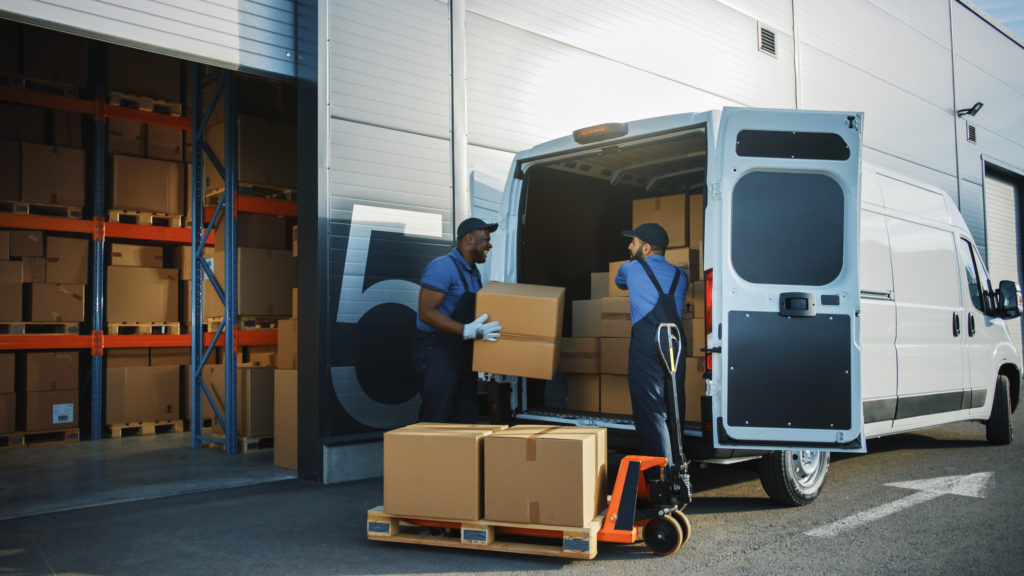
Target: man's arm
column 430, row 301
column 620, row 276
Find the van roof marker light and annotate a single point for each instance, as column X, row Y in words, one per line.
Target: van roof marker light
column 600, row 132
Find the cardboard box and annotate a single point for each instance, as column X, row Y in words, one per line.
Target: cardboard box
column 695, row 299
column 56, row 302
column 531, row 322
column 580, row 355
column 142, row 73
column 583, row 392
column 688, row 260
column 55, row 56
column 67, row 260
column 183, row 259
column 22, row 123
column 267, row 153
column 613, row 290
column 52, row 175
column 10, row 170
column 551, row 475
column 56, row 410
column 33, row 270
column 5, row 245
column 696, row 220
column 694, row 387
column 7, row 373
column 268, row 277
column 435, row 471
column 138, row 256
column 254, row 395
column 615, row 397
column 598, row 285
column 126, row 357
column 169, row 356
column 669, row 211
column 8, row 413
column 615, row 356
column 586, row 318
column 46, row 371
column 295, row 302
column 143, row 394
column 286, row 419
column 147, row 185
column 288, row 344
column 142, row 294
column 26, row 243
column 67, row 129
column 295, row 241
column 164, row 143
column 10, row 292
column 696, row 337
column 615, row 319
column 259, row 356
column 257, row 231
column 125, row 138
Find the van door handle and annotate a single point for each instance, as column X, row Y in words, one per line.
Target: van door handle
column 797, row 304
column 956, row 324
column 970, row 324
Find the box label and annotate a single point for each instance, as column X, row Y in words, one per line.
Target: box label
column 63, row 413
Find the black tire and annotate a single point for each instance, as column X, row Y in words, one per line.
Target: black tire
column 794, row 478
column 999, row 427
column 663, row 536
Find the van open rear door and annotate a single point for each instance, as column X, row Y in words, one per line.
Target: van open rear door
column 786, row 291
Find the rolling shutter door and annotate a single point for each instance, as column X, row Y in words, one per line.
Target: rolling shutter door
column 1002, row 221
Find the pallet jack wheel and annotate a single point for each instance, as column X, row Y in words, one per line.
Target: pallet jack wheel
column 684, row 523
column 663, row 536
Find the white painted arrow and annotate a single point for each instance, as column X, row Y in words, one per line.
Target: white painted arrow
column 972, row 485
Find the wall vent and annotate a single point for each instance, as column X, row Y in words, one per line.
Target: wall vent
column 765, row 40
column 972, row 135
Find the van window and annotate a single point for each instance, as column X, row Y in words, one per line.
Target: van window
column 971, row 273
column 787, row 228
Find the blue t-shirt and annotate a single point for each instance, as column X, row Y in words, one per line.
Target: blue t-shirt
column 642, row 294
column 442, row 275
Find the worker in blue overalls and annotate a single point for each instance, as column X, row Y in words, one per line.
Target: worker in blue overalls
column 442, row 347
column 656, row 295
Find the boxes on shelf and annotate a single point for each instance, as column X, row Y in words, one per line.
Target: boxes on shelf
column 142, row 294
column 287, row 344
column 67, row 260
column 169, row 356
column 6, row 373
column 67, row 129
column 695, row 335
column 669, row 212
column 142, row 73
column 615, row 397
column 45, row 411
column 615, row 356
column 580, row 355
column 266, row 231
column 147, row 185
column 615, row 318
column 10, row 291
column 286, row 419
column 22, row 123
column 268, row 276
column 27, row 243
column 125, row 137
column 531, row 321
column 52, row 175
column 5, row 245
column 126, row 357
column 33, row 270
column 48, row 371
column 183, row 259
column 55, row 56
column 10, row 170
column 8, row 412
column 583, row 392
column 164, row 143
column 266, row 153
column 143, row 394
column 137, row 256
column 255, row 399
column 56, row 302
column 259, row 356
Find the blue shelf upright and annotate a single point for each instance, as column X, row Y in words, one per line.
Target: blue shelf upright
column 98, row 278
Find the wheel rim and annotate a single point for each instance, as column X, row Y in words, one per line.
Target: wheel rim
column 663, row 536
column 807, row 467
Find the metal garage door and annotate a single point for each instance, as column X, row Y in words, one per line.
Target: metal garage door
column 1002, row 221
column 250, row 35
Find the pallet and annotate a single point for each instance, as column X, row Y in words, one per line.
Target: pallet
column 119, row 328
column 246, row 444
column 257, row 190
column 145, row 218
column 534, row 539
column 50, row 87
column 39, row 328
column 22, row 439
column 60, row 211
column 147, row 103
column 145, row 428
column 245, row 323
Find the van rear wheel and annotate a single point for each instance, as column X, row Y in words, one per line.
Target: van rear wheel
column 793, row 477
column 999, row 428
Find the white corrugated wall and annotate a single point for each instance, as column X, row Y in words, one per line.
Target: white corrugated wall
column 1002, row 219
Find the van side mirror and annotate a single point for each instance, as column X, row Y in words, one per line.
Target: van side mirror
column 1009, row 299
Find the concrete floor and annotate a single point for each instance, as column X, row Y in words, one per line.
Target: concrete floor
column 53, row 478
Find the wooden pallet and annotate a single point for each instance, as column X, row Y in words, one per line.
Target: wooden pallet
column 245, row 323
column 60, row 211
column 535, row 539
column 257, row 190
column 22, row 439
column 147, row 103
column 39, row 328
column 246, row 444
column 145, row 428
column 50, row 87
column 119, row 328
column 145, row 218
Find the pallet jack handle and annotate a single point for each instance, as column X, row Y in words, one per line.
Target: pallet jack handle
column 670, row 345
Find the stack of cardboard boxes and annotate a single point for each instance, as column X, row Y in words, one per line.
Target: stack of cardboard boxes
column 47, row 396
column 42, row 277
column 286, row 384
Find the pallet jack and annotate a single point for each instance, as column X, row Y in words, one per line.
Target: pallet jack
column 650, row 494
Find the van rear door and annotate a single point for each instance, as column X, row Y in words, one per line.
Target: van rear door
column 786, row 280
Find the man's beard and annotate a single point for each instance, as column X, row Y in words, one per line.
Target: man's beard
column 636, row 255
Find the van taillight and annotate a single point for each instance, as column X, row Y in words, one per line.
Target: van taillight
column 708, row 285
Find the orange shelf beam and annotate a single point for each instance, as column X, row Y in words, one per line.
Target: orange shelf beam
column 146, row 117
column 44, row 342
column 247, row 338
column 145, row 232
column 48, row 223
column 47, row 100
column 259, row 206
column 244, row 338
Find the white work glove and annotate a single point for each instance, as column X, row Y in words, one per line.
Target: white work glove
column 478, row 330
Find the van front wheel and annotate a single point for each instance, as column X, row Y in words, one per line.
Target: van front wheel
column 793, row 477
column 999, row 428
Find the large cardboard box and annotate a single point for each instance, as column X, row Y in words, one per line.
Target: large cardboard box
column 67, row 260
column 33, row 270
column 531, row 327
column 164, row 143
column 27, row 243
column 52, row 175
column 55, row 56
column 615, row 397
column 135, row 255
column 10, row 292
column 125, row 137
column 695, row 299
column 586, row 318
column 583, row 392
column 688, row 260
column 259, row 356
column 669, row 211
column 147, row 185
column 580, row 355
column 46, row 371
column 55, row 410
column 7, row 373
column 22, row 123
column 126, row 357
column 268, row 277
column 257, row 231
column 254, row 395
column 286, row 419
column 615, row 319
column 183, row 259
column 288, row 344
column 694, row 387
column 143, row 394
column 143, row 73
column 266, row 153
column 142, row 294
column 5, row 245
column 435, row 470
column 551, row 475
column 169, row 356
column 613, row 289
column 696, row 220
column 598, row 285
column 615, row 356
column 696, row 338
column 10, row 170
column 8, row 413
column 56, row 302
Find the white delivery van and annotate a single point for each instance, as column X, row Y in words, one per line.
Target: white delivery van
column 841, row 303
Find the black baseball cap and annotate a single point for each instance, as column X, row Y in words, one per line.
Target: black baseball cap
column 470, row 224
column 649, row 232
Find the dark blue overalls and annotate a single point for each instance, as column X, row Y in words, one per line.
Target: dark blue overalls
column 648, row 375
column 444, row 366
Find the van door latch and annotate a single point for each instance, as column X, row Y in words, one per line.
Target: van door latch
column 797, row 304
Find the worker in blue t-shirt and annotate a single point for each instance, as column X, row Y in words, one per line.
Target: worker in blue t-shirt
column 442, row 348
column 656, row 295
